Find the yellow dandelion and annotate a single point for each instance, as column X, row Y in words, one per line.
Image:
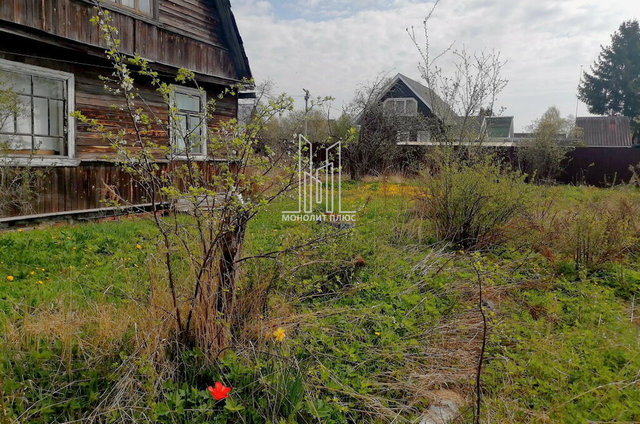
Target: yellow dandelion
column 42, row 269
column 32, row 273
column 279, row 334
column 40, row 282
column 377, row 333
column 138, row 246
column 20, row 230
column 73, row 248
column 10, row 277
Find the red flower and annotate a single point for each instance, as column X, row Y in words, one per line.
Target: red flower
column 220, row 391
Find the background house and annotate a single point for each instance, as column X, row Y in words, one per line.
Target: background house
column 419, row 113
column 498, row 127
column 605, row 131
column 416, row 108
column 53, row 57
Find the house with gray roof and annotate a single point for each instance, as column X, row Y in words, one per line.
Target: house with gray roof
column 605, row 131
column 423, row 112
column 418, row 107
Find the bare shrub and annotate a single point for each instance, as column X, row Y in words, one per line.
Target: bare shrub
column 18, row 181
column 469, row 203
column 590, row 232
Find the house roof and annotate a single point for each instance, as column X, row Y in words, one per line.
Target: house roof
column 233, row 38
column 605, row 131
column 498, row 126
column 438, row 107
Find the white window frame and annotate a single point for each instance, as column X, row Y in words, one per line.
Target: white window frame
column 405, row 100
column 69, row 80
column 403, row 137
column 203, row 127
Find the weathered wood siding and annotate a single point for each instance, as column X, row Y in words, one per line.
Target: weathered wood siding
column 92, row 185
column 92, row 100
column 195, row 18
column 88, row 185
column 186, row 34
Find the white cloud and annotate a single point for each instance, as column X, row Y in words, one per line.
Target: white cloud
column 332, row 46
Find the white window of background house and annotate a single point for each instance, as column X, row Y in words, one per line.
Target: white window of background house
column 41, row 124
column 403, row 136
column 401, row 107
column 189, row 131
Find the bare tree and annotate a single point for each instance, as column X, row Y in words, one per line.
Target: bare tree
column 458, row 97
column 376, row 146
column 18, row 178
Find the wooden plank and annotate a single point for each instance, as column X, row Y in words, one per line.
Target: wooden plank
column 188, row 34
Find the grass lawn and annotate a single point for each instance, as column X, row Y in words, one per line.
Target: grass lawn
column 377, row 321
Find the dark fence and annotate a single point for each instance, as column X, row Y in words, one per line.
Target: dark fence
column 600, row 166
column 597, row 166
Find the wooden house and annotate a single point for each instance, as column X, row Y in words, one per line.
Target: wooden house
column 416, row 108
column 52, row 56
column 420, row 114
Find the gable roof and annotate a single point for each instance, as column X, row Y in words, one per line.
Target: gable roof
column 430, row 98
column 605, row 131
column 498, row 126
column 233, row 38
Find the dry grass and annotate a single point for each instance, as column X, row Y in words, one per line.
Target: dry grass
column 590, row 231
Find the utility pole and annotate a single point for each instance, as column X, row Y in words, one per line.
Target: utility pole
column 578, row 98
column 306, row 110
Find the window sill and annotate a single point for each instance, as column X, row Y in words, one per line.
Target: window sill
column 37, row 161
column 194, row 158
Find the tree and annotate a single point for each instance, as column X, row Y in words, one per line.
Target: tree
column 468, row 91
column 553, row 137
column 613, row 86
column 215, row 205
column 374, row 148
column 462, row 96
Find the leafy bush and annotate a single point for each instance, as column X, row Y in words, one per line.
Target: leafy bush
column 542, row 155
column 468, row 203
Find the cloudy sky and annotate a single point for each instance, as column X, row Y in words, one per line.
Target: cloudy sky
column 332, row 46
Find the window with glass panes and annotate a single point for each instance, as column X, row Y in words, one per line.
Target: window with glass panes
column 38, row 124
column 189, row 128
column 401, row 107
column 144, row 7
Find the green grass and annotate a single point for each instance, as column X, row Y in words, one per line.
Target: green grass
column 366, row 320
column 89, row 261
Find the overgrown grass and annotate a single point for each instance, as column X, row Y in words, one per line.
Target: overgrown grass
column 375, row 321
